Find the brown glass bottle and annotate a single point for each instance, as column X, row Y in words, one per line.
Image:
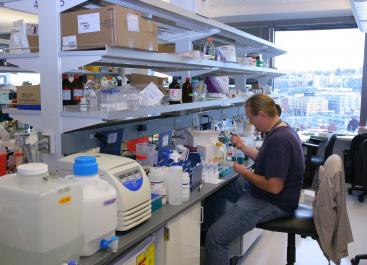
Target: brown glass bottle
column 187, row 91
column 78, row 91
column 175, row 91
column 67, row 90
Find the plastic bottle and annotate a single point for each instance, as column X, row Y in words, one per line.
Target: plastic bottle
column 185, row 187
column 201, row 90
column 83, row 104
column 92, row 100
column 175, row 92
column 99, row 205
column 175, row 185
column 156, row 178
column 209, row 49
column 187, row 91
column 195, row 93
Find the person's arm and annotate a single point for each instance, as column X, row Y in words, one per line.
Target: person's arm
column 249, row 151
column 273, row 185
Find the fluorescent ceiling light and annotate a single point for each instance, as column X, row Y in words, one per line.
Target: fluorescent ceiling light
column 359, row 8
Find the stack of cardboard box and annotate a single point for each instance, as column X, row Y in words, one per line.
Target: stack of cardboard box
column 107, row 26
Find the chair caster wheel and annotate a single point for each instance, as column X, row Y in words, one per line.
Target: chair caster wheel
column 354, row 262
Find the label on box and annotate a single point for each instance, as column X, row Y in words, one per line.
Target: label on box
column 69, row 43
column 175, row 94
column 89, row 23
column 132, row 22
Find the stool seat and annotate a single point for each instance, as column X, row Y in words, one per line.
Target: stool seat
column 301, row 223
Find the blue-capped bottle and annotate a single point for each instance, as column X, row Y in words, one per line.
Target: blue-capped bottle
column 99, row 205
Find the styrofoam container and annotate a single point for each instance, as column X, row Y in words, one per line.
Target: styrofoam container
column 99, row 206
column 40, row 217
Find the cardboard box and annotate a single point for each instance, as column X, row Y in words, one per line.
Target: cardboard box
column 149, row 35
column 90, row 29
column 32, row 36
column 33, row 43
column 139, row 79
column 29, row 95
column 167, row 48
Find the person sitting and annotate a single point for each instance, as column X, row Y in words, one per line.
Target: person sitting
column 271, row 191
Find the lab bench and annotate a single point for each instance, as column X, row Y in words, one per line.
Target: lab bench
column 129, row 239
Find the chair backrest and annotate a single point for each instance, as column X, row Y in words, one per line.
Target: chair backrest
column 330, row 146
column 363, row 155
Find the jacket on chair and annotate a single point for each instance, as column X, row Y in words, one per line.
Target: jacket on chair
column 330, row 212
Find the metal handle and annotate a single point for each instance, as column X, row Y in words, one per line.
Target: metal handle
column 202, row 215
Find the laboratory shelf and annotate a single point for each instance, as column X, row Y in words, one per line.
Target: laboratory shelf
column 73, row 119
column 124, row 57
column 26, row 61
column 160, row 62
column 151, row 111
column 181, row 18
column 14, row 69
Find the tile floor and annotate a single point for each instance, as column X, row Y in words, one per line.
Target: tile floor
column 270, row 248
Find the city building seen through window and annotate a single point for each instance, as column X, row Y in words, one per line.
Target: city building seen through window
column 322, row 88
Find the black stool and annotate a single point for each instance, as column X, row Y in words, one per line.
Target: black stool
column 301, row 223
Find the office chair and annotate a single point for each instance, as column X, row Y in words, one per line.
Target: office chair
column 301, row 222
column 356, row 259
column 312, row 160
column 355, row 165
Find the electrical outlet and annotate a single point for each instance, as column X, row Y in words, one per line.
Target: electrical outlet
column 47, row 143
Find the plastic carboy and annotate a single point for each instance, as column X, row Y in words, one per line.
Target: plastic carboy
column 100, row 205
column 40, row 217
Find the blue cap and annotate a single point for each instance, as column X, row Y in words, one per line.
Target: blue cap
column 85, row 166
column 72, row 262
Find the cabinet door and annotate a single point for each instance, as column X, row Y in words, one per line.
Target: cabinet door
column 182, row 245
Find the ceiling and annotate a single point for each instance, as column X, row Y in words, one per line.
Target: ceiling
column 231, row 11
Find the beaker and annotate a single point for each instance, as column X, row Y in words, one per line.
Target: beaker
column 146, row 154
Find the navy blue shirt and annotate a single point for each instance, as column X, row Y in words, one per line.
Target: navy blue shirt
column 281, row 155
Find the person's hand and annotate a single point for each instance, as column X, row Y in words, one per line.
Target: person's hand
column 237, row 142
column 241, row 169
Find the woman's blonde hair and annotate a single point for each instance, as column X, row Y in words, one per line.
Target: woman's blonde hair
column 261, row 102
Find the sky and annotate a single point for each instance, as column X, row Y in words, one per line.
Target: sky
column 320, row 49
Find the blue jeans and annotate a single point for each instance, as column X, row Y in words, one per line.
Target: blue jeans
column 226, row 225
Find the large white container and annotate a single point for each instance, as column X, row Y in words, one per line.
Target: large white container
column 100, row 206
column 40, row 217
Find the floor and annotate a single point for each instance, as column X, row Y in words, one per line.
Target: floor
column 270, row 248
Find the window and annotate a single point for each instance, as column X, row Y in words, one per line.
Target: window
column 323, row 87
